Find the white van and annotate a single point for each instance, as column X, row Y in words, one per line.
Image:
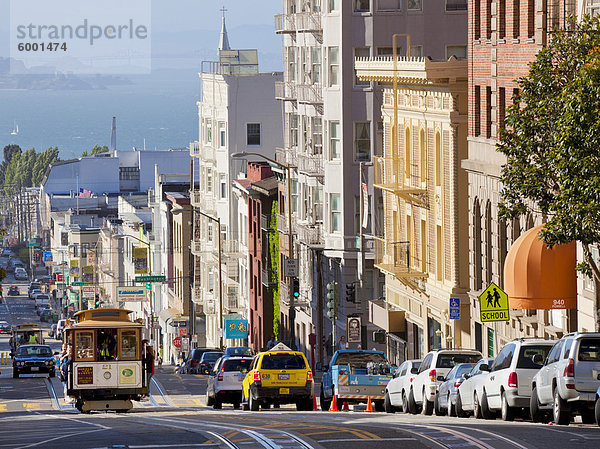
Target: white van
column 42, row 300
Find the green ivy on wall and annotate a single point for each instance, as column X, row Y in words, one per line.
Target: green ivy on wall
column 274, row 255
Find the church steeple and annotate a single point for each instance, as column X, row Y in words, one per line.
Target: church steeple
column 224, row 42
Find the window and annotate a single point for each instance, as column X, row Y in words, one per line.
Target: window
column 414, row 5
column 128, row 344
column 407, row 153
column 416, row 51
column 316, row 65
column 388, row 51
column 423, row 246
column 361, row 52
column 357, row 216
column 84, row 346
column 555, row 353
column 422, row 156
column 208, row 132
column 334, row 140
column 336, row 212
column 567, row 348
column 438, row 160
column 426, row 362
column 458, row 51
column 222, row 135
column 223, row 187
column 501, row 19
column 389, row 5
column 361, row 5
column 456, row 5
column 294, row 188
column 501, row 106
column 291, row 63
column 293, row 129
column 488, row 112
column 209, row 181
column 317, row 135
column 439, row 254
column 379, row 149
column 334, row 5
column 488, row 19
column 516, row 18
column 253, row 133
column 129, row 173
column 477, row 20
column 362, row 141
column 589, row 350
column 530, row 18
column 334, row 66
column 529, row 353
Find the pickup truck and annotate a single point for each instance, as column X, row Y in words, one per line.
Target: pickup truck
column 355, row 375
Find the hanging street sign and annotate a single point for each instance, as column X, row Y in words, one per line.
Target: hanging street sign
column 290, row 268
column 493, row 304
column 150, row 278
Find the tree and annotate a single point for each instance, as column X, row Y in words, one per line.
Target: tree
column 552, row 143
column 96, row 150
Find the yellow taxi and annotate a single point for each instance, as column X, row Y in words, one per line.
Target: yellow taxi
column 278, row 376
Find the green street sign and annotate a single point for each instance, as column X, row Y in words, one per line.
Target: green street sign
column 150, row 278
column 148, row 286
column 78, row 284
column 33, row 244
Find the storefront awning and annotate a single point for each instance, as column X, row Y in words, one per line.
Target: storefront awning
column 537, row 277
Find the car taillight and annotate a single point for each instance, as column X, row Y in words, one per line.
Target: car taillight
column 309, row 376
column 570, row 369
column 432, row 375
column 220, row 376
column 256, row 376
column 512, row 380
column 457, row 383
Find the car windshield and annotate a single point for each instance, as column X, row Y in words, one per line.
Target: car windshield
column 450, row 360
column 237, row 364
column 211, row 356
column 283, row 361
column 462, row 369
column 359, row 359
column 589, row 350
column 528, row 353
column 34, row 351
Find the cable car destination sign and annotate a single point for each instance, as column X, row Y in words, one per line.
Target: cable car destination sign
column 493, row 304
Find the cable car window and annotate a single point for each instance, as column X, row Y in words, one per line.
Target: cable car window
column 84, row 346
column 129, row 344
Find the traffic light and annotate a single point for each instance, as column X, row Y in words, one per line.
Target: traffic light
column 97, row 302
column 296, row 288
column 331, row 300
column 350, row 292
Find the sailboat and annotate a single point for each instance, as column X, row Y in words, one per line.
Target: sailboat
column 15, row 130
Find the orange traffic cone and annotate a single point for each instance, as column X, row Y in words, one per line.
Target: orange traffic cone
column 315, row 403
column 345, row 407
column 333, row 407
column 369, row 406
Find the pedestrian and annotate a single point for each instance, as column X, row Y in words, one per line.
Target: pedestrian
column 272, row 342
column 160, row 356
column 148, row 361
column 343, row 342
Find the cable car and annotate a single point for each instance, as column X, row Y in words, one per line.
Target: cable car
column 106, row 370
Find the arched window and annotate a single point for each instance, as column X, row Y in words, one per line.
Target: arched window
column 423, row 155
column 489, row 260
column 438, row 160
column 477, row 243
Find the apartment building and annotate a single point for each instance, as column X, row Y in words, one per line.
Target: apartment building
column 237, row 112
column 332, row 130
column 503, row 38
column 422, row 250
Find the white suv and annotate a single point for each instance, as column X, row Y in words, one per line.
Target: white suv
column 507, row 387
column 396, row 391
column 433, row 371
column 568, row 381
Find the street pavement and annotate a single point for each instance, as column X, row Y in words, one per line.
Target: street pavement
column 34, row 414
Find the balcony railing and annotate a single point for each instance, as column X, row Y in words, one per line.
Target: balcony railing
column 195, row 198
column 282, row 223
column 285, row 91
column 197, row 247
column 310, row 235
column 310, row 93
column 309, row 22
column 195, row 149
column 395, row 258
column 208, row 154
column 269, row 278
column 207, row 203
column 310, row 164
column 391, row 176
column 285, row 23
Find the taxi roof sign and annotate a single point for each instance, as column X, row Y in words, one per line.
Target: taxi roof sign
column 493, row 304
column 280, row 347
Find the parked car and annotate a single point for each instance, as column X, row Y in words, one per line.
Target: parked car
column 433, row 371
column 225, row 381
column 13, row 291
column 33, row 359
column 191, row 363
column 239, row 351
column 34, row 286
column 208, row 360
column 60, row 326
column 507, row 388
column 42, row 300
column 569, row 379
column 33, row 293
column 445, row 401
column 396, row 391
column 470, row 391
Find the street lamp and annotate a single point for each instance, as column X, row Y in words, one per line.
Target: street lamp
column 287, row 168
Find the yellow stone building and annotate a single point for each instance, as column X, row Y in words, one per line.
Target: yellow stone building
column 423, row 248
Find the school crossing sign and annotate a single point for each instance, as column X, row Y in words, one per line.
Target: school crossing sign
column 493, row 304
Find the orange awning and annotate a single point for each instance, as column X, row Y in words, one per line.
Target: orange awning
column 537, row 277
